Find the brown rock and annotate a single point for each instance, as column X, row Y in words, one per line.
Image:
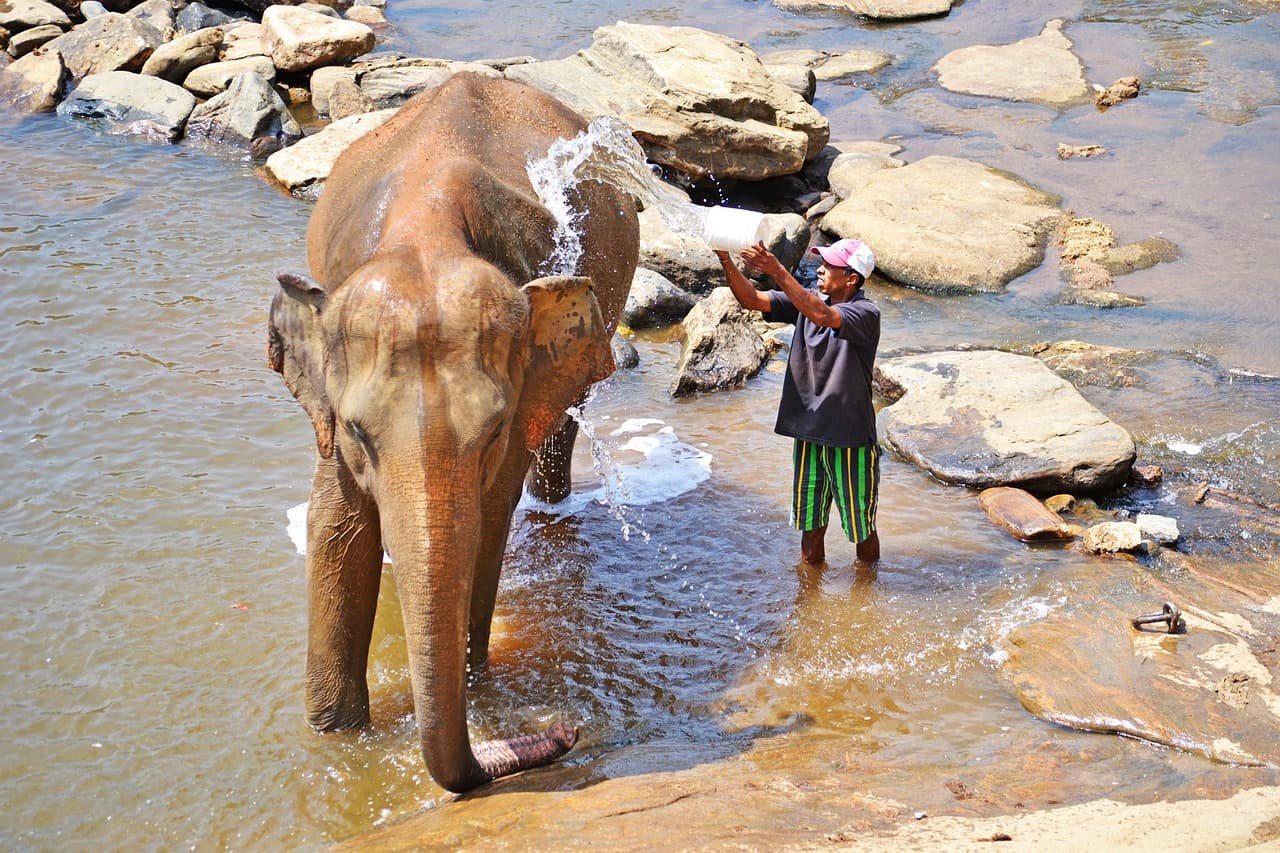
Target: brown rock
column 1121, row 90
column 1019, row 512
column 1146, row 476
column 1068, row 152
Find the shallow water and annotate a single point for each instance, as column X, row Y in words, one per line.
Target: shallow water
column 153, row 614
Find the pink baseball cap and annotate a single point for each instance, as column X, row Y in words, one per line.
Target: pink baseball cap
column 854, row 254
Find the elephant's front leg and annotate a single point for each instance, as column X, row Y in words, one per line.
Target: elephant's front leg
column 344, row 569
column 551, row 477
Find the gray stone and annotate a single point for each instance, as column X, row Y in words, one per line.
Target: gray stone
column 208, row 80
column 948, row 224
column 241, row 39
column 174, row 60
column 301, row 168
column 300, row 40
column 854, row 62
column 655, row 301
column 798, row 78
column 857, row 162
column 1041, row 69
column 625, row 354
column 20, row 44
column 197, row 16
column 1112, row 536
column 988, row 418
column 1160, row 528
column 249, row 109
column 92, row 9
column 700, row 103
column 722, row 349
column 161, row 14
column 885, row 10
column 127, row 103
column 34, row 82
column 19, row 15
column 109, row 42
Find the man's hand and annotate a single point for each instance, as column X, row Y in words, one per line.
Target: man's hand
column 762, row 260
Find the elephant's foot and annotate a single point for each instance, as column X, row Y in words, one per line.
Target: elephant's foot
column 503, row 757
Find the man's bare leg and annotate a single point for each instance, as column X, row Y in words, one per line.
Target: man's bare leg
column 869, row 549
column 813, row 546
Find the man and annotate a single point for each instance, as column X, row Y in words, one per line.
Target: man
column 826, row 394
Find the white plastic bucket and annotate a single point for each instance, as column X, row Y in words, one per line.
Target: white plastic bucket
column 730, row 229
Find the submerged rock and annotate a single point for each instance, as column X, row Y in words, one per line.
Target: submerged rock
column 721, row 348
column 1083, row 363
column 1041, row 69
column 989, row 418
column 884, row 10
column 948, row 224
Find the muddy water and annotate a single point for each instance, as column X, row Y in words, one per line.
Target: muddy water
column 152, row 601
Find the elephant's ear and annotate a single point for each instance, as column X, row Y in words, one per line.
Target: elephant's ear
column 295, row 351
column 569, row 349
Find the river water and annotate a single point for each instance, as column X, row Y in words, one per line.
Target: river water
column 151, row 598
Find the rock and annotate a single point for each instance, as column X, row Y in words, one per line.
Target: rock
column 247, row 111
column 300, row 40
column 1083, row 364
column 34, row 82
column 370, row 16
column 161, row 14
column 28, row 40
column 208, row 80
column 684, row 259
column 122, row 102
column 389, row 83
column 174, row 60
column 856, row 163
column 1101, row 299
column 721, row 348
column 884, row 10
column 655, row 301
column 1121, row 260
column 625, row 354
column 92, row 9
column 197, row 16
column 1160, row 528
column 1146, row 476
column 110, row 42
column 700, row 103
column 1019, row 512
column 1041, row 69
column 1112, row 536
column 1060, row 503
column 1088, row 274
column 241, row 39
column 948, row 224
column 1069, row 152
column 798, row 78
column 848, row 64
column 988, row 418
column 1121, row 90
column 318, row 8
column 301, row 168
column 19, row 15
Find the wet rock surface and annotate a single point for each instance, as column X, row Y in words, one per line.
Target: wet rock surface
column 989, row 418
column 1041, row 69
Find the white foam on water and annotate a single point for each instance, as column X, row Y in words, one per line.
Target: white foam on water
column 667, row 468
column 1187, row 447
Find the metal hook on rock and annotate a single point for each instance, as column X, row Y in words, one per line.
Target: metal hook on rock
column 1170, row 615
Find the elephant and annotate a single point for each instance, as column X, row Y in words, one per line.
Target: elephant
column 436, row 358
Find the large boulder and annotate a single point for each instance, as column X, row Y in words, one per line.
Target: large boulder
column 948, row 224
column 174, row 60
column 109, row 42
column 299, row 39
column 654, row 301
column 1041, row 69
column 721, row 348
column 700, row 103
column 987, row 418
column 33, row 83
column 249, row 109
column 303, row 167
column 884, row 10
column 126, row 103
column 208, row 80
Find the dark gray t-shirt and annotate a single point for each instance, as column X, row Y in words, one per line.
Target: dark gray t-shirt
column 826, row 394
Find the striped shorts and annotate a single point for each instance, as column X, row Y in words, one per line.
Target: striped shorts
column 849, row 475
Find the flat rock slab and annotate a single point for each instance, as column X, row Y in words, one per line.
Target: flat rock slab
column 1041, row 69
column 949, row 224
column 989, row 418
column 882, row 10
column 302, row 167
column 1211, row 690
column 700, row 103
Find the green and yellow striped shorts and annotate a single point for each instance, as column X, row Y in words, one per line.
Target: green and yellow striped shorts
column 849, row 475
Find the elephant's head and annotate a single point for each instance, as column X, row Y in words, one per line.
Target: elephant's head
column 429, row 388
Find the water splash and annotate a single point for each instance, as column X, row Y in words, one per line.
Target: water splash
column 606, row 152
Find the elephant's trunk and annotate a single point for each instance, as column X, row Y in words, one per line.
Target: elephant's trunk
column 434, row 555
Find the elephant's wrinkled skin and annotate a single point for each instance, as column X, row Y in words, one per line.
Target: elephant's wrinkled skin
column 433, row 362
